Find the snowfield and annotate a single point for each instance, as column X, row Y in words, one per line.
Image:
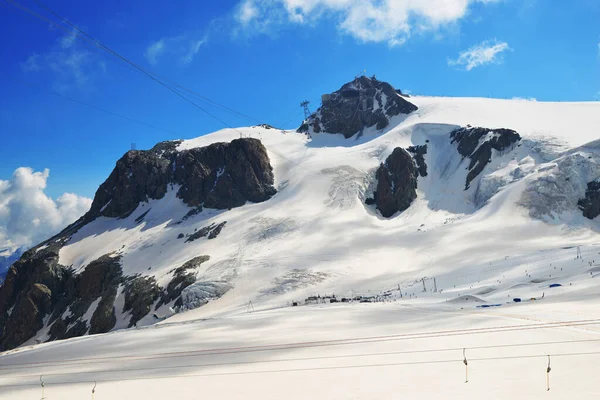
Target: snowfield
column 445, row 274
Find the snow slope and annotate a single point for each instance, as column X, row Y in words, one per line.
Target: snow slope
column 504, row 237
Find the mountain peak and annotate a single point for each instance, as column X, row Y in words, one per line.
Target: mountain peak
column 362, row 103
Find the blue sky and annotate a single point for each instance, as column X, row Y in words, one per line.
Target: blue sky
column 262, row 58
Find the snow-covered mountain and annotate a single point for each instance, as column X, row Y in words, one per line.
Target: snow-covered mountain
column 418, row 187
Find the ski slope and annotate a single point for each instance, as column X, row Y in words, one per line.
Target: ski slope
column 484, row 246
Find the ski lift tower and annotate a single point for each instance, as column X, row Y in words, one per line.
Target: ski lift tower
column 307, row 112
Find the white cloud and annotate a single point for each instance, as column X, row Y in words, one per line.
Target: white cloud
column 247, row 12
column 29, row 216
column 70, row 63
column 67, row 42
column 31, row 64
column 193, row 50
column 391, row 21
column 182, row 48
column 484, row 53
column 154, row 51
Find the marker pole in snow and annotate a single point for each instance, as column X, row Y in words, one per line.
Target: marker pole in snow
column 548, row 369
column 579, row 252
column 466, row 366
column 94, row 390
column 434, row 286
column 42, row 383
column 250, row 306
column 424, row 287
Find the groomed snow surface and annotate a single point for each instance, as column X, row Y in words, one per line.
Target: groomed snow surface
column 316, row 237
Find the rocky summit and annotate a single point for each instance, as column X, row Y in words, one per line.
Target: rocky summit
column 220, row 176
column 363, row 103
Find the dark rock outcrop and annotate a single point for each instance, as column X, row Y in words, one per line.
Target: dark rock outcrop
column 140, row 294
column 183, row 277
column 33, row 284
column 217, row 230
column 220, row 176
column 362, row 103
column 396, row 183
column 39, row 292
column 211, row 231
column 590, row 204
column 37, row 286
column 265, row 126
column 419, row 153
column 100, row 279
column 477, row 144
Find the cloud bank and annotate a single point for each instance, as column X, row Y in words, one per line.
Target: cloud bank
column 29, row 216
column 390, row 21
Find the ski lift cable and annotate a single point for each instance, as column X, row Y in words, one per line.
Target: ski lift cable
column 74, row 100
column 308, row 369
column 144, row 70
column 99, row 44
column 334, row 342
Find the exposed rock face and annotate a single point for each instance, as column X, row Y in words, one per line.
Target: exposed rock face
column 477, row 144
column 396, row 183
column 39, row 292
column 590, row 204
column 362, row 103
column 212, row 231
column 32, row 284
column 217, row 230
column 140, row 295
column 183, row 277
column 419, row 153
column 221, row 176
column 37, row 286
